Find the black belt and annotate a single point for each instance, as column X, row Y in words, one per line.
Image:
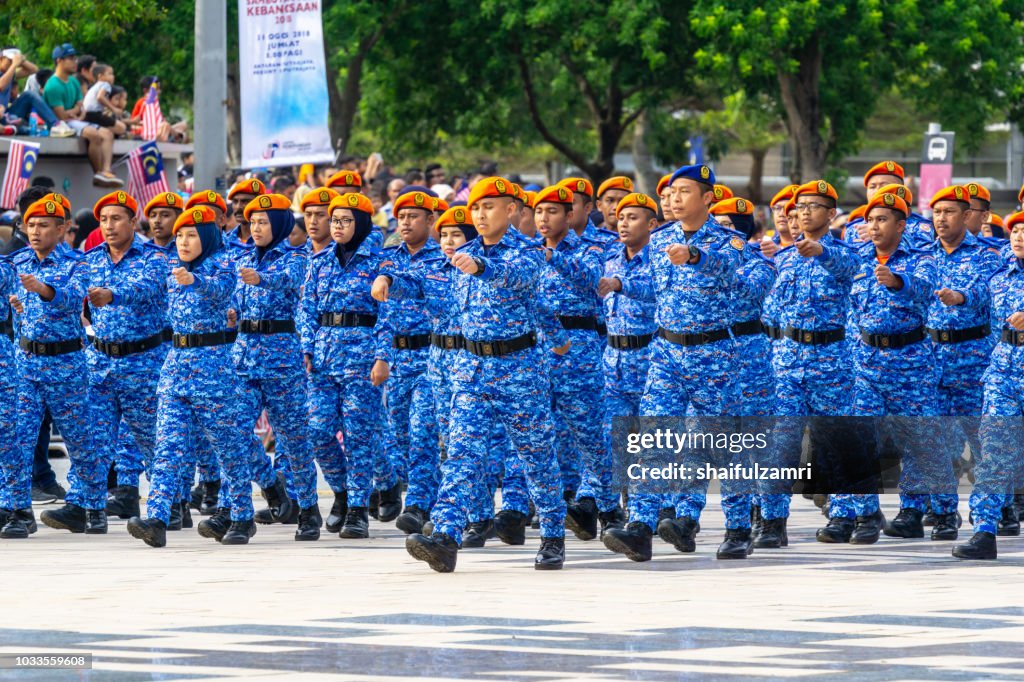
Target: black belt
column 579, row 322
column 495, row 348
column 747, row 328
column 1012, row 337
column 52, row 348
column 7, row 328
column 773, row 333
column 893, row 341
column 413, row 342
column 201, row 340
column 167, row 334
column 117, row 349
column 812, row 338
column 267, row 326
column 630, row 342
column 959, row 335
column 602, row 329
column 347, row 320
column 446, row 342
column 698, row 339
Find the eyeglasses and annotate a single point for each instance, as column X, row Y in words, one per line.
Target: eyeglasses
column 809, row 206
column 343, row 222
column 779, row 208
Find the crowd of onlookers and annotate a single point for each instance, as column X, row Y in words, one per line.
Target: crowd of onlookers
column 78, row 96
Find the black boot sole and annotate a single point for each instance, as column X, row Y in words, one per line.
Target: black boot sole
column 390, row 516
column 830, row 539
column 145, row 535
column 549, row 567
column 408, row 524
column 333, row 527
column 682, row 543
column 307, row 537
column 913, row 535
column 738, row 553
column 353, row 535
column 770, row 543
column 869, row 540
column 18, row 535
column 422, row 553
column 208, row 532
column 619, row 547
column 60, row 525
column 973, row 558
column 1008, row 532
column 945, row 537
column 581, row 533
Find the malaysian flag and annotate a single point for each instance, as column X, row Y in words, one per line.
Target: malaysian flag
column 21, row 160
column 152, row 117
column 146, row 176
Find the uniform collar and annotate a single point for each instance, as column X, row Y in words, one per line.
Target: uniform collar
column 969, row 241
column 136, row 246
column 570, row 241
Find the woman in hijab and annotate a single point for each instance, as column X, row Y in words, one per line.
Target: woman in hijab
column 198, row 392
column 347, row 353
column 268, row 358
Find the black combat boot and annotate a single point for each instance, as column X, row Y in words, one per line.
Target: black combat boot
column 357, row 524
column 866, row 529
column 478, row 533
column 411, row 520
column 309, row 524
column 738, row 544
column 945, row 527
column 211, row 496
column 20, row 524
column 95, row 521
column 175, row 520
column 151, row 531
column 981, row 546
column 838, row 531
column 336, row 518
column 69, row 517
column 217, row 525
column 439, row 551
column 123, row 501
column 551, row 555
column 239, row 533
column 681, row 533
column 510, row 526
column 616, row 518
column 186, row 514
column 279, row 504
column 634, row 541
column 773, row 534
column 1009, row 524
column 390, row 503
column 581, row 518
column 907, row 524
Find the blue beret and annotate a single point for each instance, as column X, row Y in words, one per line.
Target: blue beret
column 418, row 188
column 532, row 187
column 697, row 173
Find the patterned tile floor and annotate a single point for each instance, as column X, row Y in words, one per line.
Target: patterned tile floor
column 364, row 610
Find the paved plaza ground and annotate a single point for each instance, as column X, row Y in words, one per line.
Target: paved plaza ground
column 364, row 610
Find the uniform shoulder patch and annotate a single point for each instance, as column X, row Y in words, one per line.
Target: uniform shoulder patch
column 737, row 243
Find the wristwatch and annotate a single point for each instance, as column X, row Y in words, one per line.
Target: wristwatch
column 479, row 266
column 694, row 255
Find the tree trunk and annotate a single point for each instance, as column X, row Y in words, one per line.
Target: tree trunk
column 234, row 121
column 646, row 176
column 755, row 186
column 344, row 119
column 804, row 119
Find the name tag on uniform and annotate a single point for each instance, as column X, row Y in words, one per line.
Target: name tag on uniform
column 438, row 278
column 860, row 276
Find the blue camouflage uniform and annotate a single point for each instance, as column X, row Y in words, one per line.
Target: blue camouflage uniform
column 59, row 383
column 567, row 288
column 962, row 362
column 123, row 384
column 270, row 362
column 200, row 396
column 693, row 379
column 340, row 395
column 10, row 377
column 919, row 232
column 408, row 395
column 999, row 472
column 813, row 367
column 496, row 305
column 897, row 381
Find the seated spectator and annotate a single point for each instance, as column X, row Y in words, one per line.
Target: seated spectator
column 83, row 72
column 64, row 96
column 119, row 98
column 166, row 132
column 97, row 99
column 13, row 65
column 36, row 81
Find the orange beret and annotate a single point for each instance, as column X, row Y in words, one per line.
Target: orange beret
column 722, row 192
column 816, row 187
column 267, row 202
column 978, row 191
column 251, row 186
column 118, row 198
column 994, row 219
column 1013, row 219
column 790, row 205
column 617, row 182
column 887, row 200
column 884, row 168
column 454, row 216
column 733, row 206
column 321, row 196
column 556, row 194
column 858, row 212
column 517, row 192
column 207, row 198
column 439, row 204
column 899, row 190
column 490, row 187
column 663, row 183
column 952, row 193
column 528, row 197
column 636, row 199
column 414, row 200
column 44, row 208
column 164, row 200
column 784, row 194
column 59, row 199
column 577, row 186
column 345, row 178
column 353, row 201
column 1020, row 195
column 194, row 215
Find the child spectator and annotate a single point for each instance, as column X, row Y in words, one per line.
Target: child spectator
column 97, row 100
column 167, row 132
column 119, row 98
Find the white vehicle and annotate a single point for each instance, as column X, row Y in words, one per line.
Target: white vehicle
column 937, row 149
